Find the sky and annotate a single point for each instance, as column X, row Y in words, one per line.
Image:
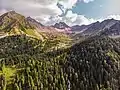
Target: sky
column 72, row 12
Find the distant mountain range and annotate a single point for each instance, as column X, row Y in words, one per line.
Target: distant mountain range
column 14, row 23
column 110, row 27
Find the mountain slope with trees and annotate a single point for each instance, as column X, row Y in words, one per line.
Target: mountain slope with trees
column 94, row 64
column 28, row 62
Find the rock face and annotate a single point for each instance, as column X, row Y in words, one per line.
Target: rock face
column 61, row 25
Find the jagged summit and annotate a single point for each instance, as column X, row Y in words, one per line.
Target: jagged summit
column 12, row 15
column 61, row 25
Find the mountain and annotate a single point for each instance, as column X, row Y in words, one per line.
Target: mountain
column 114, row 30
column 99, row 27
column 12, row 23
column 89, row 30
column 61, row 25
column 108, row 23
column 94, row 64
column 109, row 27
column 24, row 42
column 78, row 29
column 93, row 28
column 58, row 62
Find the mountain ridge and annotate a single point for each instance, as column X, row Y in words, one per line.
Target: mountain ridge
column 91, row 29
column 12, row 23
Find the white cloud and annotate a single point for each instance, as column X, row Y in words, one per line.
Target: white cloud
column 71, row 19
column 32, row 7
column 39, row 9
column 87, row 1
column 68, row 3
column 117, row 17
column 74, row 19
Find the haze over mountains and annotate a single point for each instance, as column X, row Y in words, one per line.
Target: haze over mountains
column 58, row 57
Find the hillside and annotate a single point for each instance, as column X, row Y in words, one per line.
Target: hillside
column 94, row 64
column 12, row 23
column 26, row 64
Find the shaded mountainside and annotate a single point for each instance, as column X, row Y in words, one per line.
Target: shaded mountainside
column 113, row 31
column 94, row 64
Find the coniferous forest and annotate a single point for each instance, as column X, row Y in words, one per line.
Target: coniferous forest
column 25, row 64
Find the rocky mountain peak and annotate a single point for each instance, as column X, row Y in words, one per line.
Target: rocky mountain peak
column 61, row 25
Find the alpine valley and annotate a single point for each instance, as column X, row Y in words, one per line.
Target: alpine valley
column 58, row 57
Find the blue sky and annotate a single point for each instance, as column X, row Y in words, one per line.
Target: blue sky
column 72, row 12
column 97, row 8
column 92, row 9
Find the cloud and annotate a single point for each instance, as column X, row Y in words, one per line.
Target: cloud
column 71, row 19
column 74, row 19
column 68, row 3
column 47, row 12
column 117, row 17
column 87, row 1
column 38, row 7
column 42, row 10
column 32, row 7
